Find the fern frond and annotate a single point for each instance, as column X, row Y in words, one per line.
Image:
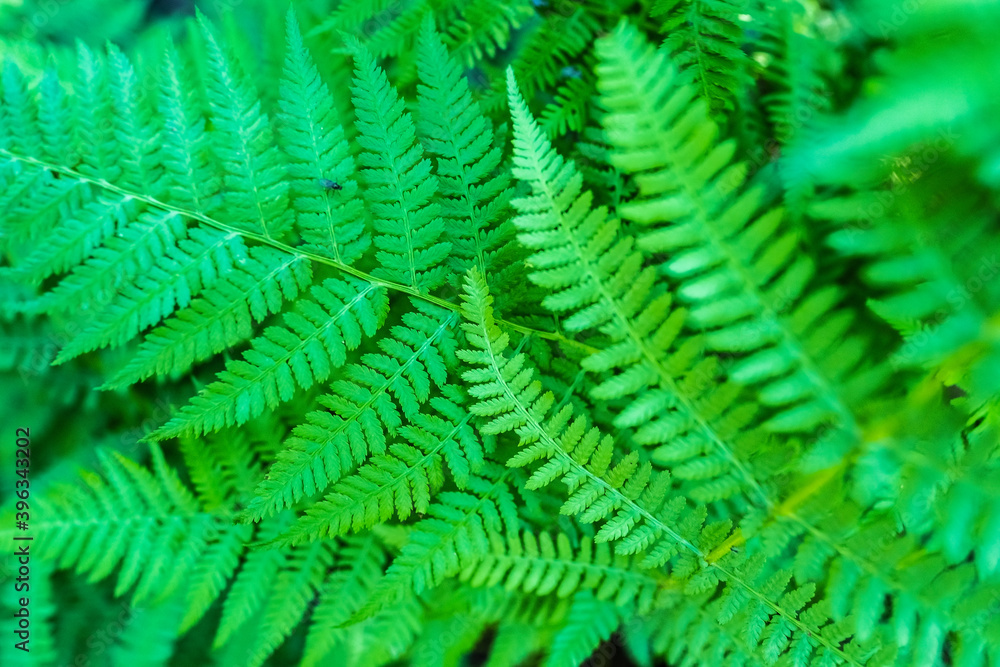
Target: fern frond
column 774, row 428
column 540, row 566
column 399, row 185
column 223, row 467
column 35, row 201
column 94, row 142
column 150, row 637
column 627, row 497
column 360, row 561
column 590, row 621
column 440, row 546
column 137, row 522
column 571, row 108
column 551, row 47
column 393, row 28
column 923, row 292
column 474, row 31
column 76, row 238
column 965, row 506
column 255, row 196
column 295, row 587
column 330, row 221
column 478, row 29
column 365, row 404
column 257, row 285
column 744, row 273
column 687, row 631
column 623, row 496
column 316, row 340
column 184, row 270
column 133, row 126
column 704, row 38
column 777, row 618
column 464, row 616
column 31, row 198
column 249, row 591
column 863, row 580
column 514, row 642
column 598, row 282
column 800, row 93
column 124, row 257
column 474, row 196
column 351, row 17
column 870, row 565
column 20, row 117
column 400, row 482
column 189, row 178
column 53, row 115
column 212, row 569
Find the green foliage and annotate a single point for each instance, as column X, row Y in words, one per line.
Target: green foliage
column 507, row 333
column 314, row 142
column 704, row 39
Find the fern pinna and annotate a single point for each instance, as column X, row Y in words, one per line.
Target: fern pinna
column 479, row 334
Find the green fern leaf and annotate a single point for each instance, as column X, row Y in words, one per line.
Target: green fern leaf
column 248, row 593
column 133, row 129
column 330, row 221
column 704, row 37
column 189, row 178
column 125, row 256
column 359, row 564
column 598, row 281
column 457, row 531
column 318, row 335
column 590, row 622
column 208, row 577
column 255, row 196
column 21, row 125
column 140, row 523
column 398, row 181
column 634, row 513
column 742, row 272
column 184, row 270
column 93, row 132
column 257, row 286
column 400, row 482
column 76, row 239
column 478, row 29
column 362, row 410
column 474, row 196
column 295, row 587
column 539, row 566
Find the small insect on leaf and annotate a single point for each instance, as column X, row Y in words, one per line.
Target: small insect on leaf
column 330, row 185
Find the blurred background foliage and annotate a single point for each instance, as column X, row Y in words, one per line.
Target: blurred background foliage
column 907, row 89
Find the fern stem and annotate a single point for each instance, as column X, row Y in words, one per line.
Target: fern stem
column 267, row 240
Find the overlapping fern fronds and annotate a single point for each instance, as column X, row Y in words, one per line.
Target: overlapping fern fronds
column 428, row 330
